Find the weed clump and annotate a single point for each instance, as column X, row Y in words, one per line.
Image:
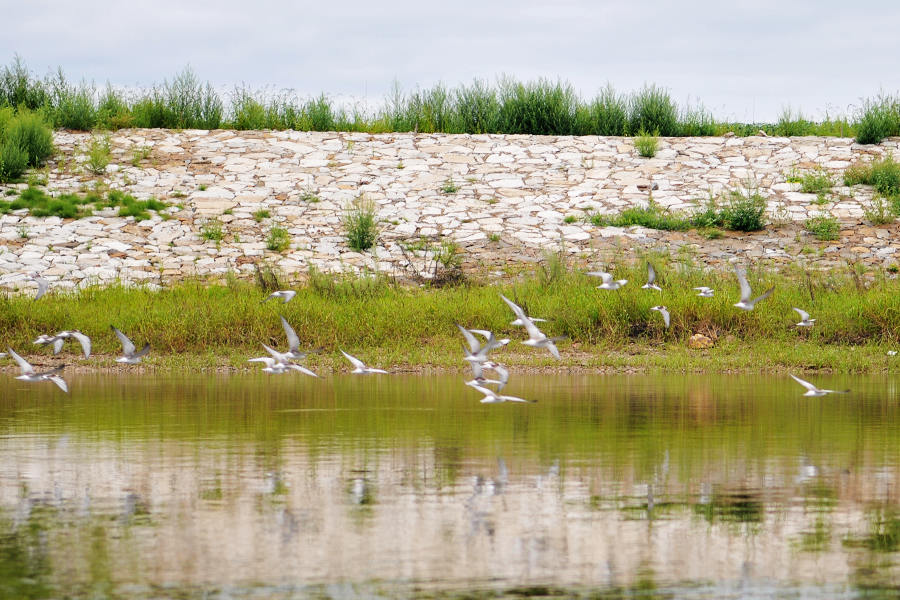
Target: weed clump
column 25, row 141
column 878, row 119
column 652, row 109
column 824, row 227
column 646, row 144
column 278, row 239
column 361, row 223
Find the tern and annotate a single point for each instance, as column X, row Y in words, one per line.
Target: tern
column 805, row 321
column 360, row 366
column 293, row 341
column 492, row 397
column 29, row 374
column 812, row 390
column 282, row 362
column 478, row 374
column 58, row 340
column 536, row 338
column 608, row 282
column 664, row 312
column 704, row 292
column 651, row 279
column 285, row 295
column 129, row 356
column 746, row 303
column 477, row 352
column 43, row 284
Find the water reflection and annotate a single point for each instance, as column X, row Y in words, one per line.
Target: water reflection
column 633, row 486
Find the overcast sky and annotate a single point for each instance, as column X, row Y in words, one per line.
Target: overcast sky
column 744, row 60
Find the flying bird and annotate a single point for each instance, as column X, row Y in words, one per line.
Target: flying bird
column 746, row 303
column 129, row 356
column 608, row 282
column 805, row 321
column 651, row 279
column 58, row 340
column 536, row 337
column 492, row 397
column 704, row 292
column 43, row 284
column 360, row 366
column 477, row 352
column 664, row 312
column 293, row 341
column 479, row 378
column 29, row 374
column 812, row 390
column 285, row 295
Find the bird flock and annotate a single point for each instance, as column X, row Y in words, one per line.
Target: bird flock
column 476, row 352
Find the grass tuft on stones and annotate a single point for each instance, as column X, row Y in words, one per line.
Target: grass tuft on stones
column 361, row 223
column 278, row 239
column 824, row 227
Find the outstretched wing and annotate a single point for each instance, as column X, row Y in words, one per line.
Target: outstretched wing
column 803, row 314
column 742, row 281
column 43, row 285
column 302, row 369
column 127, row 345
column 474, row 344
column 533, row 332
column 804, row 383
column 26, row 367
column 59, row 381
column 765, row 295
column 651, row 274
column 85, row 342
column 606, row 277
column 58, row 344
column 354, row 361
column 143, row 351
column 293, row 340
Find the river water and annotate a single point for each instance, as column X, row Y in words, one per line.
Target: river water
column 253, row 486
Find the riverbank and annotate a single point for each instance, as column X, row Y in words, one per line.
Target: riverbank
column 203, row 325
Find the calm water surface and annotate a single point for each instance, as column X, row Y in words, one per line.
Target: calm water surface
column 249, row 486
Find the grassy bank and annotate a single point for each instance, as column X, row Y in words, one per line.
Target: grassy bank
column 544, row 107
column 193, row 325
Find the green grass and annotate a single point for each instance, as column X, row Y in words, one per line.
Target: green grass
column 413, row 325
column 212, row 231
column 824, row 227
column 73, row 206
column 543, row 107
column 261, row 214
column 817, row 181
column 278, row 239
column 646, row 144
column 98, row 154
column 26, row 141
column 449, row 187
column 651, row 216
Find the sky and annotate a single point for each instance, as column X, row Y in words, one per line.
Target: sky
column 743, row 60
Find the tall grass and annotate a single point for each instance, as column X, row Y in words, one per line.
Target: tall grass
column 25, row 141
column 543, row 107
column 409, row 324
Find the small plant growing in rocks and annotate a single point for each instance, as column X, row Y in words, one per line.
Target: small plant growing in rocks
column 646, row 144
column 361, row 223
column 212, row 231
column 824, row 227
column 878, row 211
column 278, row 239
column 261, row 214
column 449, row 186
column 98, row 154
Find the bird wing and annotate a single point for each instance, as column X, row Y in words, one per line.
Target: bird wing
column 504, row 374
column 263, row 359
column 26, row 367
column 143, row 351
column 473, row 342
column 127, row 345
column 354, row 361
column 293, row 340
column 804, row 383
column 58, row 344
column 515, row 399
column 553, row 349
column 278, row 356
column 288, row 295
column 742, row 280
column 85, row 342
column 803, row 314
column 43, row 285
column 488, row 392
column 666, row 317
column 302, row 369
column 606, row 277
column 477, row 370
column 59, row 381
column 651, row 274
column 765, row 295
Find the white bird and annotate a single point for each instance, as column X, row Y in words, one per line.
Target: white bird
column 492, row 397
column 129, row 356
column 651, row 279
column 293, row 341
column 285, row 295
column 477, row 352
column 704, row 292
column 533, row 320
column 478, row 374
column 746, row 303
column 892, row 353
column 29, row 374
column 664, row 312
column 536, row 338
column 360, row 366
column 43, row 284
column 58, row 340
column 805, row 321
column 282, row 362
column 43, row 340
column 275, row 367
column 813, row 390
column 608, row 282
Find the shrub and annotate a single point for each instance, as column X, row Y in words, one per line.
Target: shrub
column 743, row 211
column 113, row 111
column 792, row 123
column 607, row 114
column 278, row 239
column 477, row 109
column 98, row 153
column 537, row 108
column 882, row 174
column 18, row 89
column 697, row 122
column 879, row 211
column 72, row 107
column 247, row 111
column 13, row 161
column 824, row 227
column 816, row 182
column 646, row 144
column 878, row 119
column 361, row 223
column 653, row 110
column 31, row 133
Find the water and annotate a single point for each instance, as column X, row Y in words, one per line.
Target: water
column 610, row 486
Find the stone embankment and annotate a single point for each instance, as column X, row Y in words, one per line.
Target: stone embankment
column 517, row 197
